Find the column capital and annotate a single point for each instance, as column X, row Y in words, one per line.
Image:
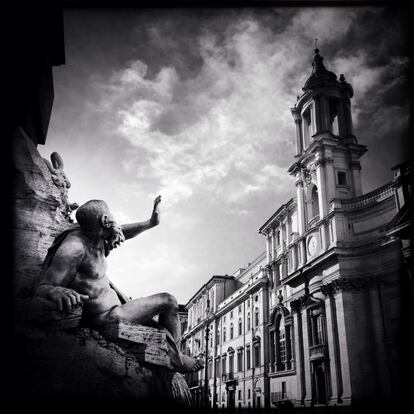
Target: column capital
column 296, row 114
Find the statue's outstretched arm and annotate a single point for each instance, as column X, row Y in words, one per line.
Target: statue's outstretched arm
column 133, row 229
column 54, row 281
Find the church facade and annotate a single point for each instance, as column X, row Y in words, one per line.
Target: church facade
column 315, row 319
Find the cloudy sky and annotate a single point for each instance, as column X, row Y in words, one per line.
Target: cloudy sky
column 195, row 105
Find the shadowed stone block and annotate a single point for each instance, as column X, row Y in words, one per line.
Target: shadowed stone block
column 44, row 314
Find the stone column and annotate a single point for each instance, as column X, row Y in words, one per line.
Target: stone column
column 302, row 252
column 268, row 247
column 301, row 207
column 297, row 118
column 342, row 126
column 322, row 189
column 324, row 113
column 282, row 235
column 348, row 117
column 299, row 350
column 356, row 178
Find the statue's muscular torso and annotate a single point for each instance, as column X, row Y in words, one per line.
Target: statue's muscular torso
column 86, row 273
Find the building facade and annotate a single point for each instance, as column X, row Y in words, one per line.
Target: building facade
column 315, row 319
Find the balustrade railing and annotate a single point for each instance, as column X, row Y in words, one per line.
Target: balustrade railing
column 368, row 199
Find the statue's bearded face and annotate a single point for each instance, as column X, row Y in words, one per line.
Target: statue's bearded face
column 114, row 236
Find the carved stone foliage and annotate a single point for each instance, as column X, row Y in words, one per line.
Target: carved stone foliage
column 309, row 174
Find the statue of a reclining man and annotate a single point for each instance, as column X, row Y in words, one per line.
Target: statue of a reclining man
column 74, row 273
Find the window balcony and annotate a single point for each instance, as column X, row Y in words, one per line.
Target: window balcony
column 279, row 396
column 317, row 351
column 228, row 376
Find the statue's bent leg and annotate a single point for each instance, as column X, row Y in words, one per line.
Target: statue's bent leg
column 142, row 311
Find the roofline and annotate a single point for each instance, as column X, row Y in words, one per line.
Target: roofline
column 278, row 211
column 254, row 262
column 205, row 286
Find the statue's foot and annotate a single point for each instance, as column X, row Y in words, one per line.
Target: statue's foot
column 190, row 364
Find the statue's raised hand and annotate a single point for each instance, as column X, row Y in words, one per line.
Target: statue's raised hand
column 157, row 201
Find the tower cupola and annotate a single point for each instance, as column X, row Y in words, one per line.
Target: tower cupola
column 327, row 165
column 324, row 108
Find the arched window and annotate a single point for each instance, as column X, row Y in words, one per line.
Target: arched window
column 240, row 326
column 281, row 344
column 248, row 321
column 231, row 330
column 315, row 202
column 240, row 359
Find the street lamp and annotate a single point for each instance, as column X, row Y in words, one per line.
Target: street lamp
column 206, row 388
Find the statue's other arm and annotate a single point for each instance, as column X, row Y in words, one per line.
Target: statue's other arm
column 132, row 230
column 59, row 275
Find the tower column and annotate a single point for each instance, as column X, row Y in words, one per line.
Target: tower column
column 301, row 207
column 324, row 113
column 268, row 248
column 297, row 119
column 342, row 122
column 348, row 117
column 322, row 190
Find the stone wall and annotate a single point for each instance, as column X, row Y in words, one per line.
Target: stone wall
column 40, row 206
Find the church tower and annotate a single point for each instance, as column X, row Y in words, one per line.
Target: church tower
column 327, row 152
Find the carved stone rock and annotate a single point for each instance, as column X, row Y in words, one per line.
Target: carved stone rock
column 146, row 343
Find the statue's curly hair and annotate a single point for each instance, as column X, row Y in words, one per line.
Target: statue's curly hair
column 88, row 214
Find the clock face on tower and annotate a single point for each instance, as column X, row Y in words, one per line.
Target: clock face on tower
column 312, row 245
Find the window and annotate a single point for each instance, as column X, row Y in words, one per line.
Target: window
column 342, row 178
column 256, row 317
column 240, row 326
column 231, row 315
column 248, row 321
column 306, row 127
column 256, row 298
column 248, row 303
column 240, row 360
column 218, row 337
column 224, row 319
column 231, row 330
column 256, row 358
column 210, row 369
column 281, row 337
column 231, row 363
column 224, row 334
column 315, row 202
column 218, row 367
column 316, row 333
column 248, row 356
column 239, row 395
column 277, row 238
column 333, row 115
column 248, row 393
column 240, row 308
column 223, row 365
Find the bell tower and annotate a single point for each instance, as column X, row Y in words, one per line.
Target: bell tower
column 327, row 152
